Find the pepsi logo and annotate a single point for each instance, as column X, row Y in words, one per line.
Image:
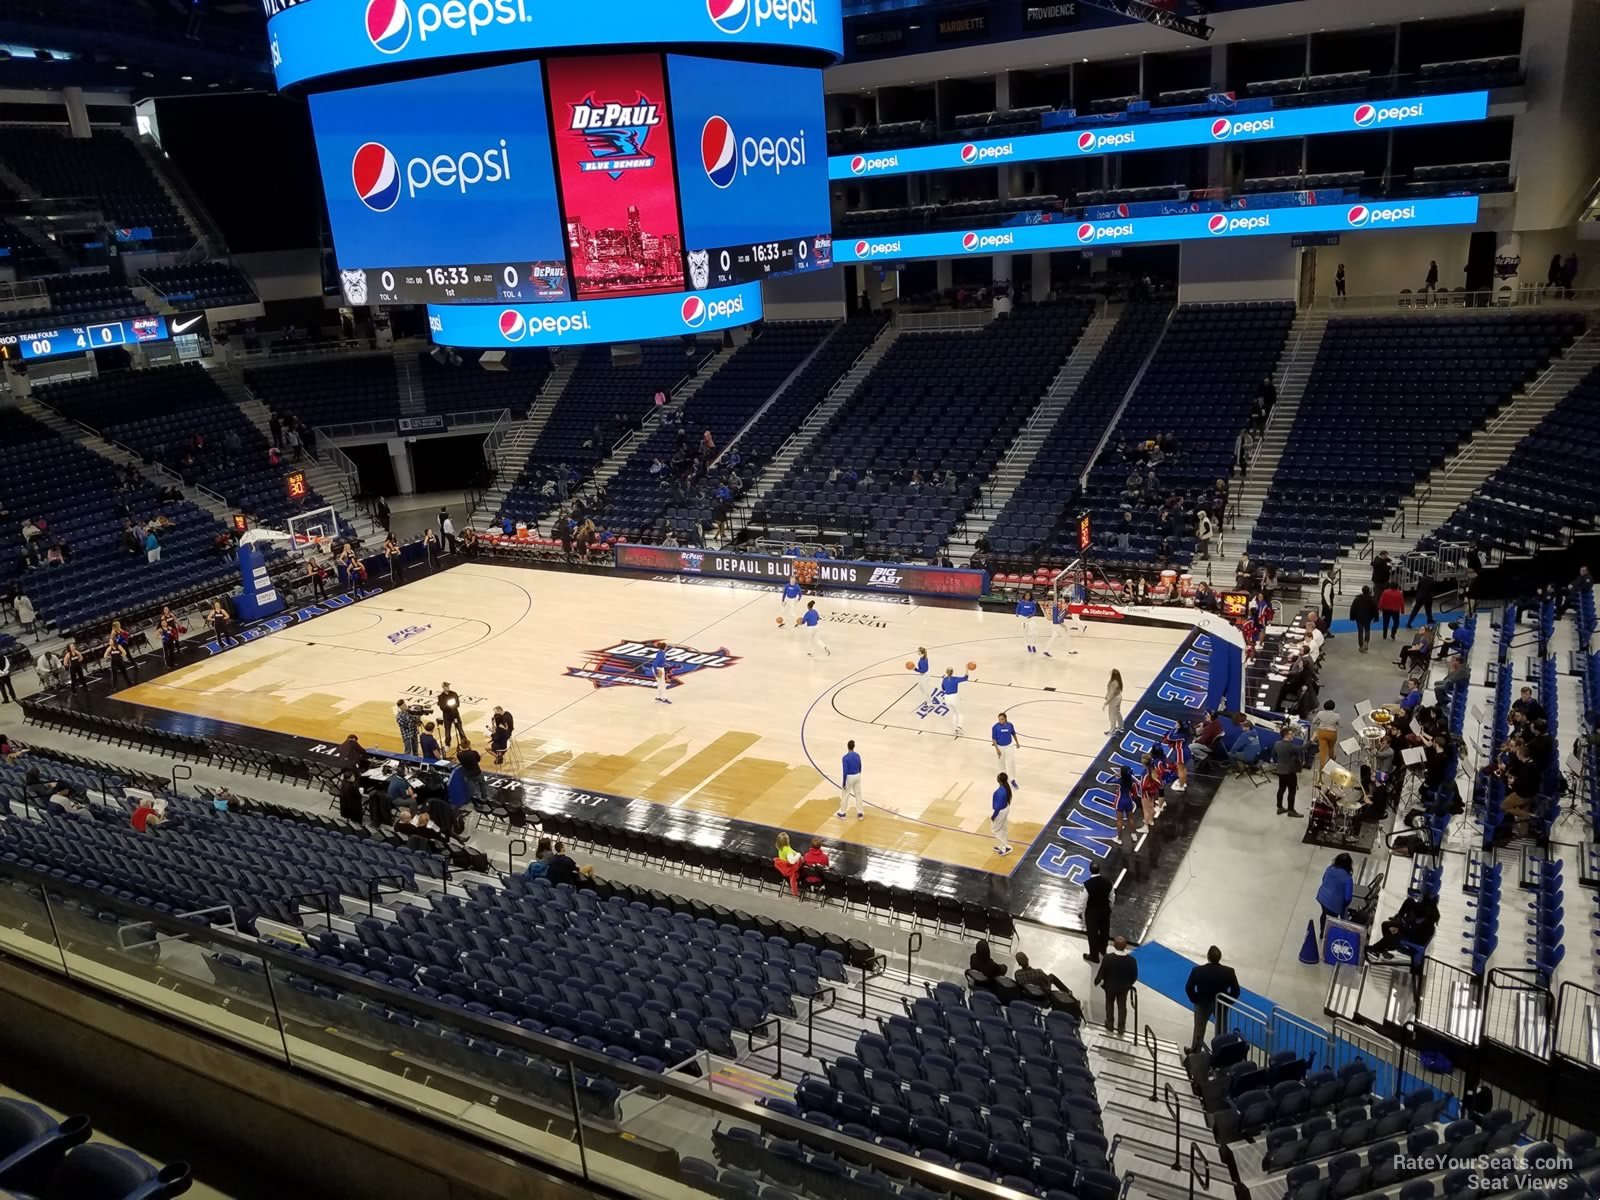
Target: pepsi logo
column 1220, row 127
column 1217, row 224
column 718, row 151
column 694, row 312
column 1086, row 141
column 969, row 153
column 1357, row 215
column 1086, row 232
column 1122, row 210
column 513, row 326
column 729, row 16
column 376, row 176
column 388, row 25
column 858, row 164
column 1364, row 115
column 862, row 247
column 969, row 241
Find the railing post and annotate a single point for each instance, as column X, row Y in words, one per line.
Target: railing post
column 913, row 944
column 1199, row 1166
column 1169, row 1097
column 1155, row 1063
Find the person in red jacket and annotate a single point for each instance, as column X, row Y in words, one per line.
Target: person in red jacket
column 1391, row 603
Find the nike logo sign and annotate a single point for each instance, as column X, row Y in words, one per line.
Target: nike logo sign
column 180, row 326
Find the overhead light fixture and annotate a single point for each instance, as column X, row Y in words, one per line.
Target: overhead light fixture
column 122, row 66
column 187, row 78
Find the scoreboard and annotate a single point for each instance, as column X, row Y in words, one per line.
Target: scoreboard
column 78, row 339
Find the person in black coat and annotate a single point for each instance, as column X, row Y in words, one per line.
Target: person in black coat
column 1382, row 571
column 984, row 964
column 1116, row 976
column 1364, row 611
column 1422, row 600
column 1206, row 982
column 1096, row 912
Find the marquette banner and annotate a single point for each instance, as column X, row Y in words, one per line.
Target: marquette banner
column 1123, row 137
column 812, row 572
column 1092, row 235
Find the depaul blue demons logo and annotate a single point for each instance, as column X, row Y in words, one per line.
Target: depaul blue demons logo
column 616, row 134
column 627, row 664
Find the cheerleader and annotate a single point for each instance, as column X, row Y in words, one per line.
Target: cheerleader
column 1177, row 743
column 1127, row 800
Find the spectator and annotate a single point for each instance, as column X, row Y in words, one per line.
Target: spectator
column 148, row 813
column 1207, row 982
column 1423, row 600
column 428, row 745
column 1325, row 728
column 1430, row 284
column 398, row 790
column 1338, row 283
column 7, row 692
column 786, row 860
column 1337, row 890
column 1208, row 739
column 1457, row 677
column 25, row 612
column 539, row 866
column 1391, row 603
column 152, row 545
column 471, row 770
column 1414, row 922
column 1116, row 977
column 983, row 963
column 1246, row 747
column 1416, row 655
column 1046, row 987
column 1364, row 611
column 406, row 721
column 814, row 864
column 351, row 752
column 1287, row 762
column 1097, row 896
column 562, row 869
column 349, row 797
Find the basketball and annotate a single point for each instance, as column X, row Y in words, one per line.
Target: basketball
column 911, row 666
column 780, row 620
column 972, row 666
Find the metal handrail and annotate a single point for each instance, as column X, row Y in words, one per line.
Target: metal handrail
column 1149, row 1038
column 1199, row 1167
column 1169, row 1097
column 1443, row 301
column 1591, row 1026
column 1127, row 398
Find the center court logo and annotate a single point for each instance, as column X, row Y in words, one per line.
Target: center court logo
column 390, row 23
column 733, row 16
column 627, row 664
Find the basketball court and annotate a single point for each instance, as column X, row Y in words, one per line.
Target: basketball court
column 756, row 727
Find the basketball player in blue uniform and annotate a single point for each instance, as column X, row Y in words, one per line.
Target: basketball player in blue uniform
column 949, row 693
column 658, row 670
column 921, row 668
column 1060, row 615
column 1004, row 737
column 1028, row 610
column 812, row 620
column 850, row 784
column 791, row 603
column 1000, row 814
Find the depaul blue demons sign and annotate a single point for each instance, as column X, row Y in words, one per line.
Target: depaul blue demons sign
column 627, row 664
column 1085, row 828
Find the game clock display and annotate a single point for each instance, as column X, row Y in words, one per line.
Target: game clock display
column 757, row 260
column 505, row 283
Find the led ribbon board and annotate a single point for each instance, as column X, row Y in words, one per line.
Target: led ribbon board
column 1090, row 235
column 1120, row 138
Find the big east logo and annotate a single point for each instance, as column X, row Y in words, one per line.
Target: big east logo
column 615, row 134
column 627, row 664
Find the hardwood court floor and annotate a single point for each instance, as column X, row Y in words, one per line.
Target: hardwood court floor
column 756, row 737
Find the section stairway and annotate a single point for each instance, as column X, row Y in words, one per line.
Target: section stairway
column 1024, row 449
column 1248, row 486
column 803, row 438
column 524, row 432
column 1434, row 499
